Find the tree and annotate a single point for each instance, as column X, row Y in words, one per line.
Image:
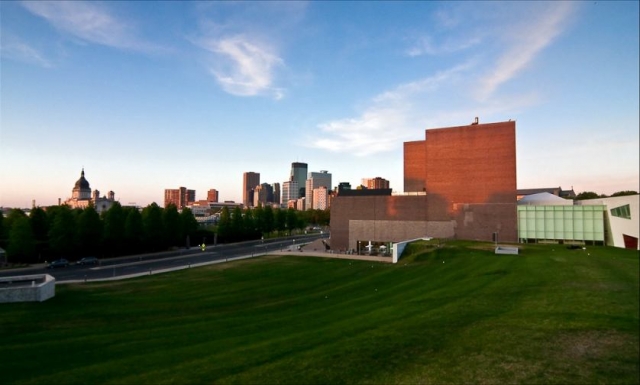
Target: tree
column 14, row 214
column 133, row 230
column 250, row 228
column 259, row 219
column 236, row 224
column 588, row 195
column 3, row 230
column 624, row 193
column 269, row 222
column 22, row 244
column 89, row 234
column 292, row 220
column 280, row 219
column 62, row 233
column 188, row 225
column 224, row 224
column 153, row 228
column 39, row 221
column 171, row 223
column 113, row 234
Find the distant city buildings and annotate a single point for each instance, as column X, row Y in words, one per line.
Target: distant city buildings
column 320, row 198
column 299, row 175
column 249, row 181
column 180, row 197
column 375, row 183
column 316, row 180
column 290, row 192
column 212, row 195
column 262, row 195
column 82, row 197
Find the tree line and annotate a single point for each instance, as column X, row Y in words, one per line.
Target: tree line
column 63, row 232
column 241, row 225
column 594, row 195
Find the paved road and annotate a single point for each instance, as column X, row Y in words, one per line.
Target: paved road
column 150, row 263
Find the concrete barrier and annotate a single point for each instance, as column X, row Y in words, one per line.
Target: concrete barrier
column 27, row 288
column 506, row 250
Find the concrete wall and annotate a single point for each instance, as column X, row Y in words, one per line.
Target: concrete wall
column 27, row 288
column 617, row 227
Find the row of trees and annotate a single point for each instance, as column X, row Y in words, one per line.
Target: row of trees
column 60, row 231
column 239, row 225
column 593, row 195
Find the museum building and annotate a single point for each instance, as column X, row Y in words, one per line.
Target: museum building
column 459, row 182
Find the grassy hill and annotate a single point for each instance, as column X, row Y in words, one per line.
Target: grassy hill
column 451, row 314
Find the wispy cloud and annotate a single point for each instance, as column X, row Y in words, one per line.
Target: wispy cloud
column 526, row 42
column 244, row 68
column 90, row 22
column 18, row 50
column 392, row 118
column 427, row 46
column 457, row 94
column 244, row 43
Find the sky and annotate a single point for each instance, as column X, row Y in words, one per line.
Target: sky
column 147, row 96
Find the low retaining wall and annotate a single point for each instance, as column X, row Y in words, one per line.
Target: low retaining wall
column 27, row 288
column 506, row 250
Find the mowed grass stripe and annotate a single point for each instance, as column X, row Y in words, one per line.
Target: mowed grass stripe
column 549, row 315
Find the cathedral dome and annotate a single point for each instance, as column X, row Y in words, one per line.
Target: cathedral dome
column 82, row 184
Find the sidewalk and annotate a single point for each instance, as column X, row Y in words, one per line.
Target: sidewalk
column 317, row 249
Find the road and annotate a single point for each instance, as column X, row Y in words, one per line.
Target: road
column 150, row 263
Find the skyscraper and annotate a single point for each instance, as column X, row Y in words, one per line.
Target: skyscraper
column 290, row 192
column 315, row 180
column 212, row 195
column 249, row 182
column 299, row 175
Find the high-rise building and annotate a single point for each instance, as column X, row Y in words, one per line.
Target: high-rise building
column 180, row 197
column 315, row 180
column 249, row 182
column 289, row 192
column 320, row 198
column 212, row 195
column 375, row 183
column 299, row 175
column 262, row 194
column 276, row 193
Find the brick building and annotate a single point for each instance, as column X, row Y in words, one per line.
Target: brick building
column 459, row 182
column 180, row 197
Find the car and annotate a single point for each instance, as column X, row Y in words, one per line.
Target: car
column 88, row 261
column 58, row 263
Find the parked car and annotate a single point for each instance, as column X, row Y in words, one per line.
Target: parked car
column 58, row 263
column 88, row 261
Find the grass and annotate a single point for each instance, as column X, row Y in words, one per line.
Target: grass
column 451, row 314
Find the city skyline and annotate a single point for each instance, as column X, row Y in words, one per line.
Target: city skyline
column 147, row 96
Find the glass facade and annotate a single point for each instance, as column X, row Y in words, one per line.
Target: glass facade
column 561, row 223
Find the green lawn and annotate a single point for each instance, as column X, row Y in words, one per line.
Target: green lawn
column 456, row 314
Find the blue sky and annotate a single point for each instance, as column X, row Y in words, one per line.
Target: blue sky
column 147, row 96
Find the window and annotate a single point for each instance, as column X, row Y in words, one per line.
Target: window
column 621, row 212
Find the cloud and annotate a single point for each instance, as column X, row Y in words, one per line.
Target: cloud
column 90, row 22
column 244, row 68
column 426, row 46
column 20, row 51
column 526, row 43
column 244, row 42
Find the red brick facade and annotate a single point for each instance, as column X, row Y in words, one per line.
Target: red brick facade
column 469, row 176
